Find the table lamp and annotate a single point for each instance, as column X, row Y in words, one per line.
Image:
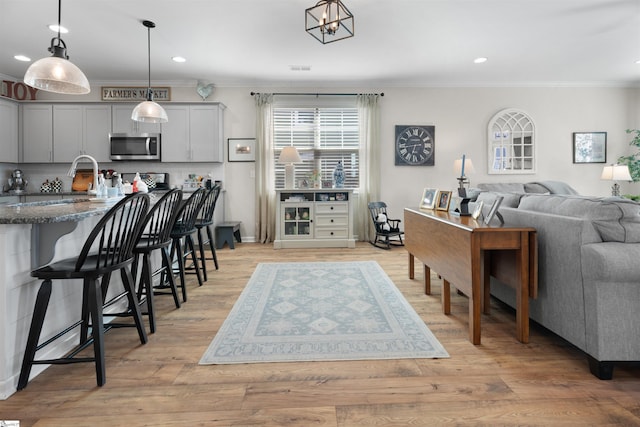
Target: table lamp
column 461, row 167
column 616, row 173
column 289, row 156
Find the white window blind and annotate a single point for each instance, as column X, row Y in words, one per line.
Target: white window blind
column 323, row 136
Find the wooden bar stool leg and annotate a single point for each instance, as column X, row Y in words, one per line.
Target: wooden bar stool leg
column 166, row 261
column 146, row 282
column 212, row 246
column 134, row 306
column 180, row 255
column 202, row 257
column 39, row 312
column 194, row 258
column 94, row 291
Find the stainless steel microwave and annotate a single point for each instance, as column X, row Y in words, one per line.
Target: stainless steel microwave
column 145, row 146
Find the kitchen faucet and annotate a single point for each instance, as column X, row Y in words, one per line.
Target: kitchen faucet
column 74, row 164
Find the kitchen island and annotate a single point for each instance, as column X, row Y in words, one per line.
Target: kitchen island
column 31, row 235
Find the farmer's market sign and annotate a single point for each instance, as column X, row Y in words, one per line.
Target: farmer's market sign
column 135, row 93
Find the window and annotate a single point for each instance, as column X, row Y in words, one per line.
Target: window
column 511, row 135
column 323, row 136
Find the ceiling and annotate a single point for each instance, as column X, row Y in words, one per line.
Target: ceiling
column 399, row 43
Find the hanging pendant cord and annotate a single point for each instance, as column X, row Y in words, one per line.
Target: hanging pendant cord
column 59, row 16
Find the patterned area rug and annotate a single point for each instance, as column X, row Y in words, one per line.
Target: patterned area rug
column 321, row 311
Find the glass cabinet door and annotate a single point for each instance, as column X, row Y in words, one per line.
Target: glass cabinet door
column 297, row 220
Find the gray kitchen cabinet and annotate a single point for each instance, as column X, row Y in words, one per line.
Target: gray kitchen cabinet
column 122, row 123
column 194, row 133
column 37, row 133
column 60, row 132
column 81, row 129
column 8, row 131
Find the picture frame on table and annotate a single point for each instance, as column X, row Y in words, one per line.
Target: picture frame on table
column 478, row 210
column 428, row 200
column 589, row 147
column 444, row 198
column 241, row 149
column 494, row 211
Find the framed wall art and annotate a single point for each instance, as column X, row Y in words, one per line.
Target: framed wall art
column 589, row 147
column 241, row 149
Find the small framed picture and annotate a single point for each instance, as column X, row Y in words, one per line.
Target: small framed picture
column 478, row 210
column 428, row 200
column 241, row 149
column 589, row 147
column 494, row 211
column 444, row 197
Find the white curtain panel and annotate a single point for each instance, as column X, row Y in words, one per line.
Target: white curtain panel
column 369, row 190
column 265, row 174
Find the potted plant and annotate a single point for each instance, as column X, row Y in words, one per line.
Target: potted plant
column 633, row 160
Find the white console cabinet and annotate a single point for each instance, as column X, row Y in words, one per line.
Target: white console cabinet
column 314, row 218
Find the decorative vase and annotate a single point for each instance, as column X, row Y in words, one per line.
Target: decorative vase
column 338, row 176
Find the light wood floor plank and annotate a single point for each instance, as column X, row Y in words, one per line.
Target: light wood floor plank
column 499, row 383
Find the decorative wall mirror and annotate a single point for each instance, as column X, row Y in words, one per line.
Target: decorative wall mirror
column 511, row 143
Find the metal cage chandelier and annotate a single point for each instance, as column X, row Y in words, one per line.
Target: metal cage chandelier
column 329, row 21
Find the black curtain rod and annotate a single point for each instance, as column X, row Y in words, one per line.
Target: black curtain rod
column 317, row 94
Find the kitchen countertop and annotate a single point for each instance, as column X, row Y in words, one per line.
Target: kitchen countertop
column 40, row 193
column 52, row 211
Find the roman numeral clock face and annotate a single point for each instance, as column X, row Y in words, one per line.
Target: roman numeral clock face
column 415, row 145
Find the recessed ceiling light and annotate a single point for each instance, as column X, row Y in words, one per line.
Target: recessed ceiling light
column 22, row 58
column 54, row 28
column 179, row 59
column 638, row 61
column 479, row 60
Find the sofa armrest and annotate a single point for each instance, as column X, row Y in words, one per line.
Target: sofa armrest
column 611, row 277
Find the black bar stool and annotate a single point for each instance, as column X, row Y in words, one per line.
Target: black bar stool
column 184, row 227
column 156, row 235
column 108, row 248
column 205, row 220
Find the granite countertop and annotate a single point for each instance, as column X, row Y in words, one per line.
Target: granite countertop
column 53, row 210
column 39, row 193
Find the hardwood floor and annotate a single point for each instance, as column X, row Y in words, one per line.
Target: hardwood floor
column 499, row 383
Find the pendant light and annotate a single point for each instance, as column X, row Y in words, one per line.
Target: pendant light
column 149, row 111
column 56, row 73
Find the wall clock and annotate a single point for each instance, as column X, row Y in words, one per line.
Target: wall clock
column 415, row 145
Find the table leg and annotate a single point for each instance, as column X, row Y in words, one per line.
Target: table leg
column 477, row 294
column 427, row 279
column 522, row 292
column 446, row 297
column 486, row 284
column 411, row 267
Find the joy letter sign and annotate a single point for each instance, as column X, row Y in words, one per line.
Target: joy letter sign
column 18, row 90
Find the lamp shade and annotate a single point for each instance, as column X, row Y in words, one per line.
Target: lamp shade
column 57, row 75
column 616, row 173
column 468, row 167
column 149, row 112
column 289, row 155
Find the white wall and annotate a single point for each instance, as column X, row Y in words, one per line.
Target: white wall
column 460, row 117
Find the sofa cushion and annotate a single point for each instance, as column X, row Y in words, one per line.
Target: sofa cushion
column 503, row 187
column 615, row 219
column 510, row 200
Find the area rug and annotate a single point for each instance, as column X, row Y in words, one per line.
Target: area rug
column 319, row 311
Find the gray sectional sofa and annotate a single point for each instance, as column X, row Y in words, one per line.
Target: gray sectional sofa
column 589, row 269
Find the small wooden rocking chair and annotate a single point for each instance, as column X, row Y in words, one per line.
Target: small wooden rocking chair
column 387, row 230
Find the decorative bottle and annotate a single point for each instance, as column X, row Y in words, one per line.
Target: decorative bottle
column 338, row 176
